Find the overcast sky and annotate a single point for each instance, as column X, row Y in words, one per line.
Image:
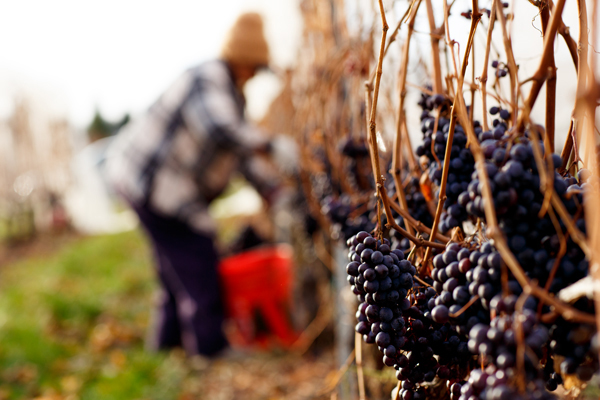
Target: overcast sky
column 72, row 56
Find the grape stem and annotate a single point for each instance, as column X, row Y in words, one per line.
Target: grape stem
column 412, row 161
column 575, row 233
column 465, row 307
column 421, row 281
column 390, row 221
column 418, row 224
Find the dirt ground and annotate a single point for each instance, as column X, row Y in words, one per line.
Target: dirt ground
column 261, row 376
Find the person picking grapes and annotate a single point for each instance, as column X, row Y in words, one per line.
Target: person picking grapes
column 173, row 162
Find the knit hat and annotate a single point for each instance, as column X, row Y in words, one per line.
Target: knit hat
column 245, row 43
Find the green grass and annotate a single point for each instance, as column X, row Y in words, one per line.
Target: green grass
column 73, row 323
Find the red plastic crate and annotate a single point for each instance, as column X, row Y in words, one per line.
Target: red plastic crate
column 257, row 290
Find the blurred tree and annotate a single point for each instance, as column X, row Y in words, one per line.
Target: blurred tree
column 100, row 128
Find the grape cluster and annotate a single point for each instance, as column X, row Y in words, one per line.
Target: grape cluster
column 515, row 181
column 434, row 350
column 418, row 347
column 496, row 384
column 458, row 275
column 467, row 323
column 461, row 164
column 498, row 342
column 536, row 241
column 381, row 278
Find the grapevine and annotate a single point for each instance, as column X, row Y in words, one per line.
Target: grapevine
column 462, row 249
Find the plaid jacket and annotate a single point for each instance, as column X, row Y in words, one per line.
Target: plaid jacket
column 182, row 153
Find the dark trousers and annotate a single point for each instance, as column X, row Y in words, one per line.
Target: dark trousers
column 190, row 311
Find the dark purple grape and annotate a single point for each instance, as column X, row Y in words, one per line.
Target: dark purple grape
column 386, row 314
column 464, row 265
column 376, row 257
column 440, row 314
column 363, row 328
column 352, row 268
column 370, row 275
column 381, row 270
column 382, row 339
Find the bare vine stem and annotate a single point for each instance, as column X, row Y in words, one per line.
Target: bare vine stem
column 412, row 161
column 465, row 307
column 546, row 171
column 484, row 74
column 339, row 374
column 417, row 241
column 520, row 341
column 567, row 149
column 419, row 226
column 582, row 73
column 550, row 83
column 359, row 366
column 473, row 86
column 379, row 180
column 421, row 281
column 398, row 387
column 435, row 50
column 569, row 313
column 561, row 252
column 510, row 58
column 396, row 167
column 475, row 17
column 565, row 32
column 541, row 74
column 591, row 95
column 394, row 34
